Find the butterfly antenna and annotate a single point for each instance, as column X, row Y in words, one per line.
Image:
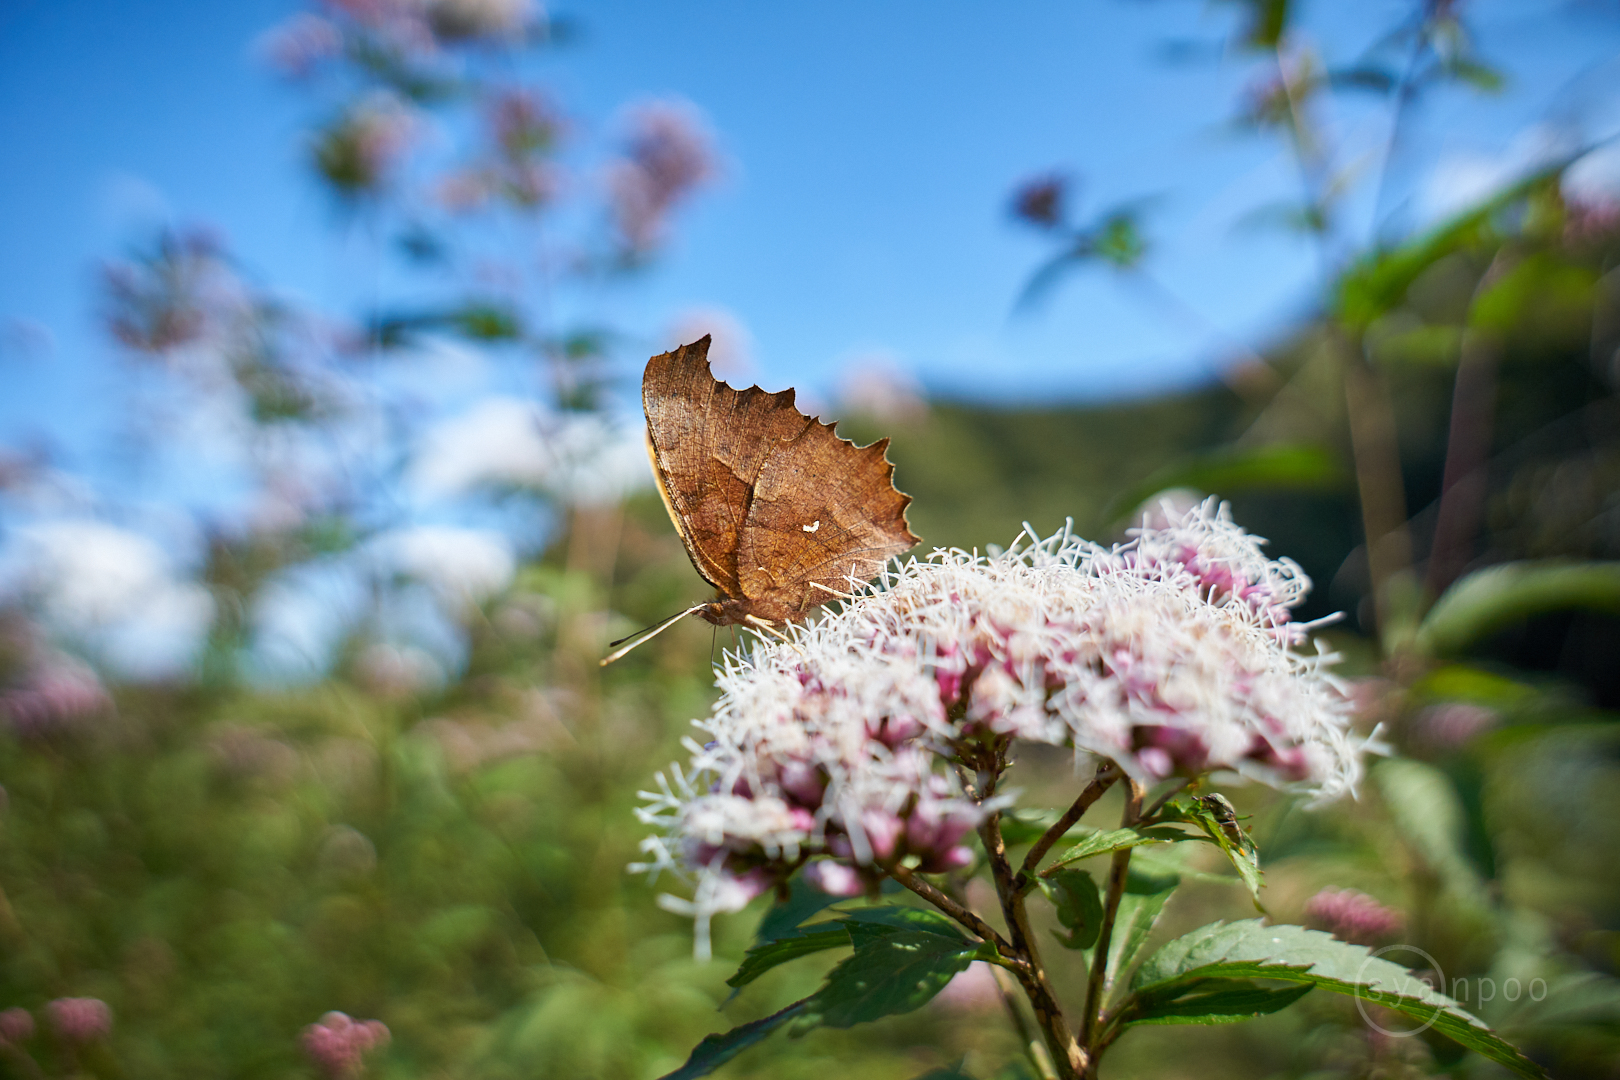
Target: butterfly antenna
column 644, row 636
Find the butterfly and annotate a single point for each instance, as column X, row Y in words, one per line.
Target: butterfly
column 777, row 513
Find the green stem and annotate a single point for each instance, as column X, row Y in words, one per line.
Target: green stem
column 1116, row 888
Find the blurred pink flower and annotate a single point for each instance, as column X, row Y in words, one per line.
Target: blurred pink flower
column 179, row 291
column 80, row 1020
column 16, row 1025
column 359, row 151
column 1451, row 725
column 668, row 154
column 973, row 990
column 1590, row 221
column 465, row 20
column 301, row 44
column 1353, row 916
column 336, row 1044
column 58, row 695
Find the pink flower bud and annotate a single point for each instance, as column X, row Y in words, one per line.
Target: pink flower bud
column 834, row 878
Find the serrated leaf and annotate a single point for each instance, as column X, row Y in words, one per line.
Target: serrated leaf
column 863, row 924
column 1489, row 599
column 786, row 916
column 1214, row 1001
column 1079, row 907
column 892, row 973
column 1100, row 842
column 762, row 958
column 1250, row 949
column 1234, row 843
column 715, row 1050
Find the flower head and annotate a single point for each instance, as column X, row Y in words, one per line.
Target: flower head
column 1169, row 655
column 1353, row 916
column 337, row 1043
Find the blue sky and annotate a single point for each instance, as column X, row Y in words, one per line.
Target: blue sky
column 870, row 151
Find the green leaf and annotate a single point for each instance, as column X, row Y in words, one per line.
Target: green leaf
column 1379, row 281
column 1100, row 842
column 1429, row 815
column 863, row 924
column 1146, row 893
column 1019, row 827
column 761, row 958
column 1079, row 907
column 891, row 973
column 1213, row 1001
column 948, row 1072
column 786, row 916
column 1220, row 829
column 1284, row 466
column 715, row 1050
column 1487, row 600
column 1251, row 949
column 789, row 940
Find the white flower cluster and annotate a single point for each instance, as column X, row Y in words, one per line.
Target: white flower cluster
column 1169, row 655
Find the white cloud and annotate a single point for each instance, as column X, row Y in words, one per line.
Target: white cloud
column 1596, row 176
column 112, row 589
column 580, row 458
column 497, row 441
column 460, row 565
column 1462, row 180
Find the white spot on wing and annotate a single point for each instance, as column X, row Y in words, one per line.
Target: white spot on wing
column 811, row 528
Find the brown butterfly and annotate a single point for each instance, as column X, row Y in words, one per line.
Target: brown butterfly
column 776, row 512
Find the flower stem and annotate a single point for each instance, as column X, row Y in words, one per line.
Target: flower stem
column 1116, row 888
column 1039, row 1057
column 956, row 911
column 1099, row 784
column 1068, row 1058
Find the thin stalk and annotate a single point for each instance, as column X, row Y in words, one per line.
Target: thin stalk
column 1375, row 447
column 1040, row 1059
column 957, row 911
column 1093, row 791
column 1068, row 1058
column 1117, row 874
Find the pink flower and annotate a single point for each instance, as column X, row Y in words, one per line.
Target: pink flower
column 80, row 1020
column 668, row 154
column 16, row 1025
column 1353, row 916
column 336, row 1044
column 301, row 44
column 58, row 696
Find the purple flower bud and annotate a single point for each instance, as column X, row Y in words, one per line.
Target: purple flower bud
column 80, row 1020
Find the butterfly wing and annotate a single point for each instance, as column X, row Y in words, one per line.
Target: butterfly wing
column 824, row 510
column 707, row 443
